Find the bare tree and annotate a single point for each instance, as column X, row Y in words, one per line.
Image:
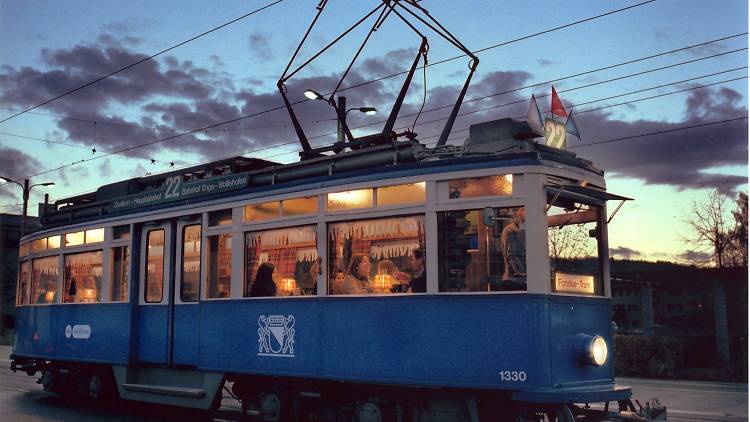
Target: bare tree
column 710, row 231
column 738, row 247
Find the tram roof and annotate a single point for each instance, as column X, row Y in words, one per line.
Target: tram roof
column 235, row 175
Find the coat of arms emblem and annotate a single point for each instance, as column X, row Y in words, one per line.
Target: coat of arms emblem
column 276, row 335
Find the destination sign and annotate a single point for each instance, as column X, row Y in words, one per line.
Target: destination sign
column 574, row 283
column 176, row 189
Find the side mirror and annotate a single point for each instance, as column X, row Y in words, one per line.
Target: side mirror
column 488, row 216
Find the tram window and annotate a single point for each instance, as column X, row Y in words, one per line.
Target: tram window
column 154, row 291
column 352, row 199
column 574, row 237
column 219, row 272
column 39, row 245
column 220, row 218
column 120, row 273
column 293, row 257
column 264, row 211
column 481, row 186
column 22, row 296
column 23, row 249
column 74, row 239
column 412, row 193
column 44, row 275
column 377, row 256
column 95, row 236
column 83, row 277
column 121, row 232
column 191, row 263
column 475, row 257
column 299, row 206
column 53, row 242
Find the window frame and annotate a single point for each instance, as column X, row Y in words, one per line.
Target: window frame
column 110, row 242
column 167, row 264
column 179, row 254
column 314, row 225
column 600, row 279
column 103, row 281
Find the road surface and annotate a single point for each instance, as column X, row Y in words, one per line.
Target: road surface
column 22, row 399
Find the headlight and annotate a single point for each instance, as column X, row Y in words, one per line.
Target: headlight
column 592, row 350
column 598, row 351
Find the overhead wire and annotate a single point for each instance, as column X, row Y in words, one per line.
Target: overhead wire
column 94, row 150
column 216, row 28
column 343, row 89
column 422, row 138
column 434, row 63
column 595, row 142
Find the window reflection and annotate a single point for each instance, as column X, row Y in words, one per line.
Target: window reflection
column 411, row 193
column 155, row 266
column 481, row 186
column 44, row 275
column 293, row 258
column 83, row 277
column 191, row 263
column 377, row 256
column 219, row 272
column 361, row 198
column 120, row 273
column 475, row 257
column 22, row 296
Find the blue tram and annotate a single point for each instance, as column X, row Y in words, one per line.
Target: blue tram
column 402, row 283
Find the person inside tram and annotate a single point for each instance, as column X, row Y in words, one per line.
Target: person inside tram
column 264, row 286
column 87, row 292
column 357, row 280
column 337, row 285
column 513, row 246
column 307, row 280
column 49, row 294
column 418, row 283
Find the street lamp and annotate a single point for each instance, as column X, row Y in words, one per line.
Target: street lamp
column 340, row 105
column 26, row 190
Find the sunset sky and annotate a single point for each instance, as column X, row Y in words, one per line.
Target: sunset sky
column 50, row 47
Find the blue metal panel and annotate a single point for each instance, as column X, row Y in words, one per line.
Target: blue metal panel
column 97, row 332
column 229, row 336
column 186, row 334
column 426, row 340
column 152, row 333
column 568, row 317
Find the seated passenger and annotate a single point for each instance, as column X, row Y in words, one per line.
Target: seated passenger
column 513, row 246
column 418, row 283
column 337, row 285
column 264, row 286
column 357, row 280
column 88, row 292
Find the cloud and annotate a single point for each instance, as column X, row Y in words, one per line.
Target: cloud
column 16, row 164
column 545, row 62
column 695, row 257
column 259, row 46
column 678, row 158
column 623, row 252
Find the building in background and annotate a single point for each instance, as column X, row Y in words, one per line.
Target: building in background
column 10, row 234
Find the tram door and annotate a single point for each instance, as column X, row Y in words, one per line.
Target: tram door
column 169, row 283
column 156, row 262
